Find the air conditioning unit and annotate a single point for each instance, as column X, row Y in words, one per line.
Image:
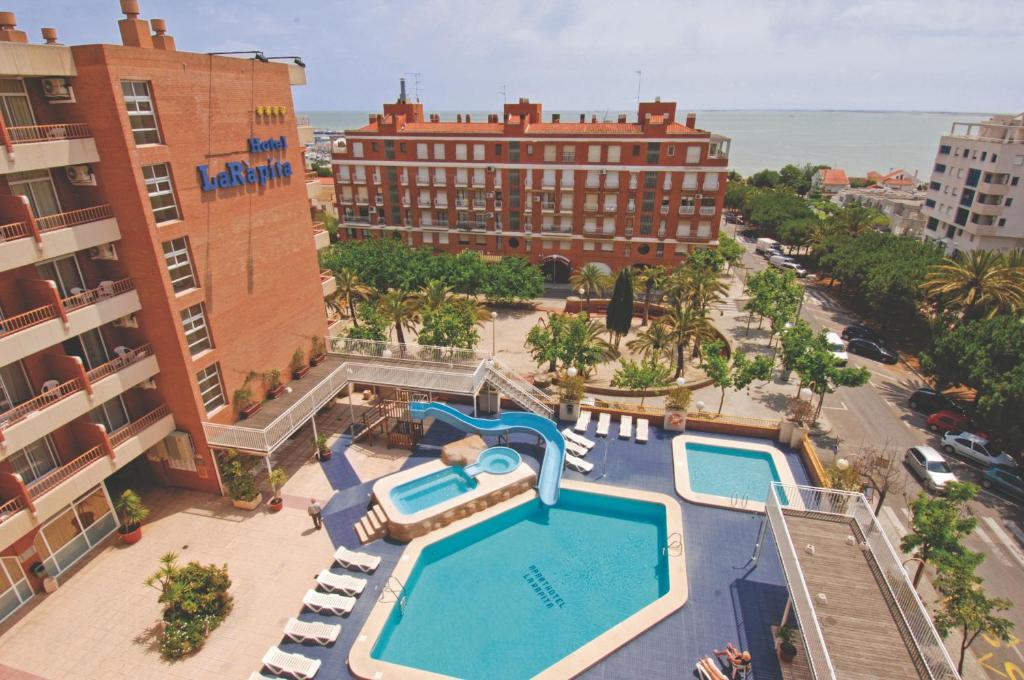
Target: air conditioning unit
column 604, row 172
column 57, row 89
column 148, row 384
column 490, row 168
column 104, row 251
column 80, row 175
column 129, row 321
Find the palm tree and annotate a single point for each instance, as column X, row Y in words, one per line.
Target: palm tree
column 350, row 289
column 653, row 343
column 977, row 284
column 434, row 294
column 591, row 279
column 706, row 288
column 592, row 347
column 399, row 308
column 649, row 278
column 686, row 324
column 856, row 219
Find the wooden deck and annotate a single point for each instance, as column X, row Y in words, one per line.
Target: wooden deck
column 862, row 638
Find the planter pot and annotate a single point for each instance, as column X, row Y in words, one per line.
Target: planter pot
column 250, row 410
column 275, row 504
column 675, row 421
column 247, row 505
column 276, row 392
column 298, row 373
column 130, row 536
column 324, row 455
column 569, row 410
column 787, row 653
column 313, row 361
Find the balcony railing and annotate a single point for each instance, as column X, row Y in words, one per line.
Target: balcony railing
column 707, row 210
column 687, row 209
column 24, row 134
column 127, row 358
column 121, row 435
column 105, row 290
column 64, row 472
column 23, row 229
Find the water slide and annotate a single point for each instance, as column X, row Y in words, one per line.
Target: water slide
column 514, row 421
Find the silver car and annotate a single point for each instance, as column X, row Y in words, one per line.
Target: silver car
column 930, row 467
column 975, row 449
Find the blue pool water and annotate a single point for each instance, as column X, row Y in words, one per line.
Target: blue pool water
column 437, row 487
column 510, row 596
column 730, row 472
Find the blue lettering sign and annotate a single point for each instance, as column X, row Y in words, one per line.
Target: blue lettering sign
column 240, row 173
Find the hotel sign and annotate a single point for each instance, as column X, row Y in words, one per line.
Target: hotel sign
column 240, row 173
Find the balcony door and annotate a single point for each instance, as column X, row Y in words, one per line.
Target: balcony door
column 37, row 187
column 65, row 273
column 35, row 460
column 110, row 414
column 89, row 347
column 14, row 386
column 14, row 103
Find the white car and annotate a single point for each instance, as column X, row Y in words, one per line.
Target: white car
column 976, row 449
column 797, row 269
column 835, row 343
column 929, row 465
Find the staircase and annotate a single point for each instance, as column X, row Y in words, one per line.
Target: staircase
column 372, row 525
column 519, row 390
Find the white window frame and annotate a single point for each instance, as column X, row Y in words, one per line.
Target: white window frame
column 157, row 186
column 693, row 153
column 139, row 105
column 594, row 153
column 614, row 153
column 461, row 152
column 197, row 332
column 211, row 388
column 439, row 151
column 422, row 151
column 478, row 152
column 178, row 258
column 357, row 149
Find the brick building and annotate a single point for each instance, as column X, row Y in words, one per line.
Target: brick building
column 156, row 250
column 559, row 193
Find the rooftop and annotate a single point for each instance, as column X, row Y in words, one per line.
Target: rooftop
column 834, row 176
column 554, row 128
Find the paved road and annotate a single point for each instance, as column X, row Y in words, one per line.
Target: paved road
column 878, row 414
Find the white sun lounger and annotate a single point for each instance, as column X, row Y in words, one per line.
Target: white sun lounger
column 575, row 449
column 583, row 421
column 293, row 665
column 626, row 427
column 313, row 631
column 578, row 464
column 352, row 559
column 641, row 429
column 578, row 439
column 604, row 421
column 344, row 583
column 335, row 604
column 709, row 670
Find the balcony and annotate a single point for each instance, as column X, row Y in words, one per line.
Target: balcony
column 611, row 207
column 707, row 210
column 54, row 319
column 305, row 130
column 41, row 499
column 687, row 209
column 38, row 147
column 32, row 240
column 479, row 203
column 423, row 201
column 74, row 396
column 328, row 282
column 36, row 61
column 321, row 238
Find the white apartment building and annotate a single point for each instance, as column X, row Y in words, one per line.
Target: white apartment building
column 975, row 194
column 903, row 208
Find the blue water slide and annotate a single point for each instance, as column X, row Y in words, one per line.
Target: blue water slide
column 513, row 421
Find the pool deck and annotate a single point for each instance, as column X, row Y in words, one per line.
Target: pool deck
column 729, row 598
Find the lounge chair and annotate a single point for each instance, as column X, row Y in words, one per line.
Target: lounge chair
column 578, row 439
column 578, row 464
column 642, row 424
column 353, row 559
column 335, row 604
column 292, row 665
column 709, row 670
column 260, row 676
column 344, row 583
column 604, row 421
column 583, row 421
column 626, row 427
column 312, row 631
column 575, row 449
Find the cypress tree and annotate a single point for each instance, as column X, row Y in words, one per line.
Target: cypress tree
column 620, row 307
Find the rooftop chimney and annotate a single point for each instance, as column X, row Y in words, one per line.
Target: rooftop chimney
column 134, row 31
column 593, row 118
column 556, row 118
column 50, row 36
column 583, row 118
column 8, row 29
column 161, row 41
column 657, row 100
column 691, row 120
column 401, row 91
column 458, row 117
column 468, row 119
column 622, row 118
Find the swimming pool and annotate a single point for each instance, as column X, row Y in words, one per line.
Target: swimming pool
column 726, row 473
column 515, row 593
column 429, row 490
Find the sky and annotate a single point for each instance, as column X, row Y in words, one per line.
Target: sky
column 927, row 55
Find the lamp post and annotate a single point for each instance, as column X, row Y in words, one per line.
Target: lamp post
column 571, row 372
column 680, row 381
column 494, row 333
column 581, row 291
column 351, row 408
column 842, row 464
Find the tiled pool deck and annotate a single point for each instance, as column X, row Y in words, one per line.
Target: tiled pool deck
column 729, row 600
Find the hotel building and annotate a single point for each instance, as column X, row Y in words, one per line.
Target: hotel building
column 976, row 194
column 156, row 252
column 558, row 193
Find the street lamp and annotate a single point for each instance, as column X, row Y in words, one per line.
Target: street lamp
column 680, row 381
column 257, row 55
column 494, row 332
column 298, row 60
column 571, row 372
column 700, row 406
column 351, row 408
column 842, row 464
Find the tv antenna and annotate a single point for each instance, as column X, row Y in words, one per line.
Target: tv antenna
column 639, row 79
column 415, row 83
column 504, row 94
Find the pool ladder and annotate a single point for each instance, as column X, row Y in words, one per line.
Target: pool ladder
column 738, row 501
column 396, row 589
column 673, row 545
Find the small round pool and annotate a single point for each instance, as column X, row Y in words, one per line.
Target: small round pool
column 498, row 460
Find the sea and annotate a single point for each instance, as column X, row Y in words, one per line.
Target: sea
column 857, row 141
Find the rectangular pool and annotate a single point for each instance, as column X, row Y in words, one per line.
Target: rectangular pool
column 429, row 490
column 730, row 472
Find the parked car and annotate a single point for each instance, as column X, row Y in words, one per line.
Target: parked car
column 930, row 467
column 928, row 400
column 872, row 350
column 835, row 343
column 797, row 269
column 944, row 421
column 975, row 449
column 860, row 331
column 780, row 261
column 1005, row 481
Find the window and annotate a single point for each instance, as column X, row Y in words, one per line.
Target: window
column 973, row 175
column 401, row 147
column 693, row 154
column 550, row 153
column 653, row 152
column 141, row 116
column 35, row 460
column 670, row 150
column 568, row 154
column 594, row 153
column 357, row 149
column 197, row 335
column 934, row 186
column 513, row 151
column 711, row 181
column 944, row 149
column 211, row 390
column 940, row 167
column 478, row 152
column 161, row 192
column 1014, row 181
column 461, row 152
column 439, row 152
column 614, row 153
column 1018, row 159
column 497, row 150
column 643, row 249
column 1008, row 202
column 421, row 151
column 636, row 150
column 179, row 264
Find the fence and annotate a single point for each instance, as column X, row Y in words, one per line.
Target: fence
column 48, row 133
column 811, row 460
column 393, row 351
column 47, row 483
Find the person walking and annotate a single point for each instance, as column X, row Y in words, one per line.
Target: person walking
column 315, row 512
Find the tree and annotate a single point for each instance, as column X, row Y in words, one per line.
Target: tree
column 350, row 289
column 978, row 284
column 938, row 525
column 685, row 324
column 770, row 209
column 433, row 296
column 583, row 346
column 964, row 606
column 398, row 308
column 374, row 327
column 715, row 364
column 619, row 317
column 774, row 294
column 736, row 193
column 765, row 179
column 798, row 232
column 641, row 375
column 794, row 178
column 511, row 280
column 591, row 279
column 730, row 250
column 449, row 325
column 884, row 469
column 795, row 341
column 545, row 340
column 820, row 370
column 738, row 374
column 649, row 278
column 654, row 343
column 854, row 219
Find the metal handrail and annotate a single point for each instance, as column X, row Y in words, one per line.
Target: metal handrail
column 116, row 364
column 26, row 319
column 395, row 351
column 38, row 403
column 73, row 218
column 23, row 134
column 104, row 290
column 121, row 435
column 47, row 483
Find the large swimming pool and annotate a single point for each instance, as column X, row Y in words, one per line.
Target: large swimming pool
column 512, row 595
column 429, row 490
column 730, row 472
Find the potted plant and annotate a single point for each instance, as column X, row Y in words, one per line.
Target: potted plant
column 316, row 351
column 277, row 478
column 298, row 364
column 243, row 398
column 238, row 472
column 570, row 391
column 323, row 451
column 786, row 636
column 676, row 402
column 132, row 512
column 272, row 378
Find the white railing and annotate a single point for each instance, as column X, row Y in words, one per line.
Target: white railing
column 449, row 356
column 519, row 390
column 910, row 613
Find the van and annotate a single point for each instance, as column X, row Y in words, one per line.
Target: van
column 835, row 344
column 766, row 244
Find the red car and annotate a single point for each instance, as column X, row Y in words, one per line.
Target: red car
column 946, row 421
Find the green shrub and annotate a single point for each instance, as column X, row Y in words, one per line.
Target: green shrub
column 238, row 472
column 196, row 601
